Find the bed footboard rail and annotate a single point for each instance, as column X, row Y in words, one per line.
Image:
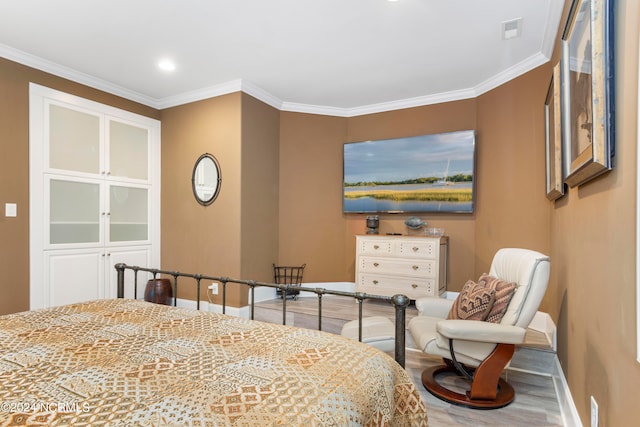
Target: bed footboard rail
column 400, row 302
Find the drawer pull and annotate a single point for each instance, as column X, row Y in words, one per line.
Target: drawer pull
column 375, row 282
column 376, row 247
column 415, row 267
column 375, row 264
column 414, row 285
column 415, row 249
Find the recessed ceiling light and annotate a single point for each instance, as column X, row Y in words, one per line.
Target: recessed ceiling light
column 166, row 65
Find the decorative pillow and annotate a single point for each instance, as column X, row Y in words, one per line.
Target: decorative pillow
column 503, row 293
column 473, row 303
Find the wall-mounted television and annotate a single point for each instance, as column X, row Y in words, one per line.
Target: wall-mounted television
column 427, row 173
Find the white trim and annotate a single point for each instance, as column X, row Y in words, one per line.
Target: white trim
column 249, row 88
column 638, row 219
column 542, row 322
column 214, row 308
column 551, row 27
column 509, row 74
column 198, row 95
column 33, row 61
column 568, row 409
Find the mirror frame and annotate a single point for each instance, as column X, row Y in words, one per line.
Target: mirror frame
column 217, row 184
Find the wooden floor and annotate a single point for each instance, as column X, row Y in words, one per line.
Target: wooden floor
column 531, row 372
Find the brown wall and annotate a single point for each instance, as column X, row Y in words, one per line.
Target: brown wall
column 197, row 238
column 593, row 259
column 312, row 229
column 236, row 236
column 14, row 170
column 513, row 210
column 260, row 177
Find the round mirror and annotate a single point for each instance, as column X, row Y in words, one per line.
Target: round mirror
column 206, row 179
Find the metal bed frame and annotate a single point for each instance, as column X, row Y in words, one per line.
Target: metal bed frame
column 400, row 302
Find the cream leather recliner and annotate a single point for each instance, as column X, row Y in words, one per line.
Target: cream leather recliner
column 479, row 350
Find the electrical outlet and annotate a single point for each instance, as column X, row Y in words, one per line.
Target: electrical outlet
column 214, row 288
column 594, row 412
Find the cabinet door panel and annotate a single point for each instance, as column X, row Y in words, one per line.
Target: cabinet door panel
column 128, row 151
column 138, row 256
column 74, row 140
column 73, row 276
column 74, row 212
column 128, row 214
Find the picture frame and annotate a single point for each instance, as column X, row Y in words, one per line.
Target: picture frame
column 587, row 91
column 553, row 138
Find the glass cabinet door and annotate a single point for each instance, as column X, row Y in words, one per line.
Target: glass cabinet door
column 128, row 151
column 74, row 212
column 129, row 214
column 74, row 140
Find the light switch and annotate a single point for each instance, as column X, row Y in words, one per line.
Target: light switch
column 10, row 210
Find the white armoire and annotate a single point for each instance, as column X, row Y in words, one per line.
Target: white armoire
column 94, row 195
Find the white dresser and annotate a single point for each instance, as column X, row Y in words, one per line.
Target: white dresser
column 415, row 266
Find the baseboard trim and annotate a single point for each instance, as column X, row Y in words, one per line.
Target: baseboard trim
column 214, row 308
column 568, row 408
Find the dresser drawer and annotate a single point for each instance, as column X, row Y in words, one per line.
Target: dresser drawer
column 375, row 247
column 406, row 267
column 423, row 248
column 391, row 285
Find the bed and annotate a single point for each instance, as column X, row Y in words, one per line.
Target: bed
column 125, row 362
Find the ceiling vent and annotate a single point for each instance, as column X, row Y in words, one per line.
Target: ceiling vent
column 511, row 29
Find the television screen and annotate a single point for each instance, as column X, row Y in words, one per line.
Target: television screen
column 427, row 173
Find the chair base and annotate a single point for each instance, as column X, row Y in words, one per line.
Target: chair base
column 504, row 395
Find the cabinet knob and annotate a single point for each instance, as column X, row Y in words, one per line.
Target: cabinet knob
column 415, row 267
column 375, row 264
column 414, row 285
column 375, row 282
column 415, row 249
column 376, row 247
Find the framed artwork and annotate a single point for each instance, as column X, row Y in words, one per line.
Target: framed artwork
column 553, row 138
column 587, row 91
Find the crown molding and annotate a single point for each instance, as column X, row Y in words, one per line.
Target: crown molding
column 551, row 27
column 261, row 94
column 517, row 70
column 264, row 96
column 199, row 94
column 50, row 67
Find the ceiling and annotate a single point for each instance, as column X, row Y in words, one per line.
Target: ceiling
column 336, row 57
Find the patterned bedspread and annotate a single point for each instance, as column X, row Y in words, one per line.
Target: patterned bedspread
column 132, row 363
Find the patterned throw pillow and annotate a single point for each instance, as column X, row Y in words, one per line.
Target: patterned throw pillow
column 503, row 293
column 473, row 303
